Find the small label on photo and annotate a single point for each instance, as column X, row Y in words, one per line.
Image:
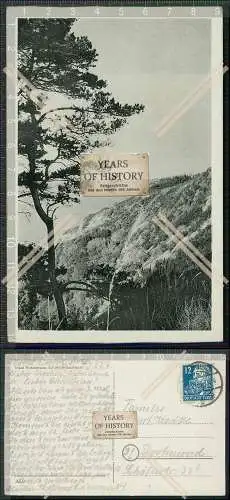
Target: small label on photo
column 114, row 174
column 115, row 425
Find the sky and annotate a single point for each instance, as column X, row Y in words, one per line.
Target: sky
column 155, row 62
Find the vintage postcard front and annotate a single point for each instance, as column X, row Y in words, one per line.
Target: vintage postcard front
column 114, row 174
column 91, row 425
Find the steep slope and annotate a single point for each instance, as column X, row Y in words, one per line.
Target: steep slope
column 126, row 237
column 134, row 276
column 122, row 241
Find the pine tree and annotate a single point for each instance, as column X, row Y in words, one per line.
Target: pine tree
column 51, row 140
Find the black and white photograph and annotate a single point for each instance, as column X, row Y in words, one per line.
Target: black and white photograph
column 136, row 266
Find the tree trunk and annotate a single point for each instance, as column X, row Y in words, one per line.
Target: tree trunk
column 53, row 280
column 55, row 287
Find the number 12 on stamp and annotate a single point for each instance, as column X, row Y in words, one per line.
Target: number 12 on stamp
column 198, row 382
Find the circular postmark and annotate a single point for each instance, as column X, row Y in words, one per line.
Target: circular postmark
column 202, row 383
column 130, row 452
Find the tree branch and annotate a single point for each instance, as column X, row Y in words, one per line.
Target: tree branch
column 73, row 108
column 38, row 206
column 34, row 192
column 53, row 212
column 48, row 208
column 54, row 160
column 81, row 110
column 24, row 194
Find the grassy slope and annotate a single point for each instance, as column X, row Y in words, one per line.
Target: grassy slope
column 125, row 238
column 155, row 286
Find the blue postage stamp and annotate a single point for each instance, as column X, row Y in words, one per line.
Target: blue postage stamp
column 198, row 382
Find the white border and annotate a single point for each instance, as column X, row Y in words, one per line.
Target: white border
column 217, row 175
column 115, row 336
